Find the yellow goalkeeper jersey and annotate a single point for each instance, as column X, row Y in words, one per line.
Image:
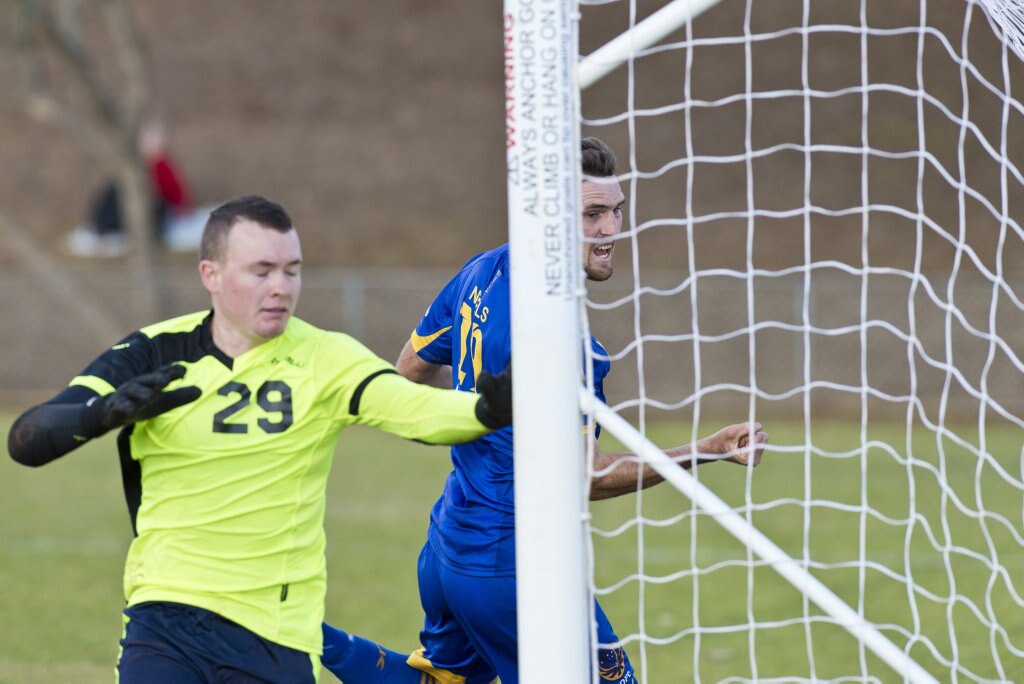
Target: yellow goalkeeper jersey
column 227, row 493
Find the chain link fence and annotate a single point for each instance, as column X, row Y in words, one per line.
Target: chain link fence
column 52, row 327
column 833, row 343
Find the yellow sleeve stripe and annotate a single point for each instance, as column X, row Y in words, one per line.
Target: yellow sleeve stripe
column 98, row 385
column 417, row 661
column 419, row 341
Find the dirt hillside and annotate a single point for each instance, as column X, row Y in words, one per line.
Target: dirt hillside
column 378, row 125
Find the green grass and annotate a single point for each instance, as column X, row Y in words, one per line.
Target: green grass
column 693, row 586
column 65, row 532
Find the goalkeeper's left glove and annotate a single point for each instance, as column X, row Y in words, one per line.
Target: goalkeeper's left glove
column 494, row 408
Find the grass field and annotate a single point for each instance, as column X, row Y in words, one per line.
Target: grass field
column 864, row 501
column 65, row 533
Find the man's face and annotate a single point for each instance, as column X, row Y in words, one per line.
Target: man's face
column 255, row 287
column 602, row 221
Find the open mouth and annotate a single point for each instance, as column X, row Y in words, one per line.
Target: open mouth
column 604, row 251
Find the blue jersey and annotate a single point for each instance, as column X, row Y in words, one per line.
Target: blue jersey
column 472, row 525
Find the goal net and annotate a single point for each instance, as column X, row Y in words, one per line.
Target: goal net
column 822, row 234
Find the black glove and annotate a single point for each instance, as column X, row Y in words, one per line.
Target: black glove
column 143, row 397
column 494, row 408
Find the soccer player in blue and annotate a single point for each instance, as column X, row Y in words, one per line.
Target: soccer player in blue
column 467, row 566
column 225, row 476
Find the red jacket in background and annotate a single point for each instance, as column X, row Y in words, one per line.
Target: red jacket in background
column 168, row 185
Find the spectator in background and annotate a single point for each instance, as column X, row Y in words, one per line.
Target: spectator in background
column 171, row 204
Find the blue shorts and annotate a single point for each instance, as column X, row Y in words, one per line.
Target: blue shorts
column 171, row 643
column 469, row 626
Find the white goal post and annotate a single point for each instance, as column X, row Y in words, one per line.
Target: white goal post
column 822, row 234
column 542, row 134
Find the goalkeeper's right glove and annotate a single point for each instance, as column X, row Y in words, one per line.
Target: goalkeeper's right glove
column 494, row 408
column 143, row 397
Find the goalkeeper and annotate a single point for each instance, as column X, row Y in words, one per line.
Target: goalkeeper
column 228, row 421
column 467, row 566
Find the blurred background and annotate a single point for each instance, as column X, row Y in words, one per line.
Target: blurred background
column 380, row 128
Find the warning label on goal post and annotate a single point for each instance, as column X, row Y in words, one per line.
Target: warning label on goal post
column 543, row 155
column 542, row 145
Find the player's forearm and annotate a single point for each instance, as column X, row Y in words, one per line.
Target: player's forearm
column 48, row 431
column 623, row 474
column 620, row 475
column 422, row 413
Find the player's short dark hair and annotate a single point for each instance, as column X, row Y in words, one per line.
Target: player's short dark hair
column 598, row 159
column 249, row 207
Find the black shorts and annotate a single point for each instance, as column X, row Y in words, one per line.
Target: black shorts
column 172, row 643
